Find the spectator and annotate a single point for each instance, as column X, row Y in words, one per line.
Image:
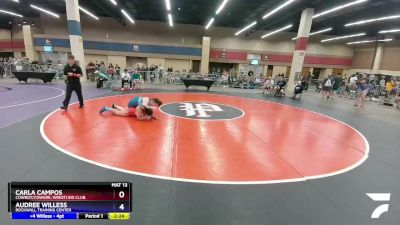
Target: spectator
column 117, row 70
column 298, row 89
column 268, row 85
column 327, row 87
column 110, row 70
column 126, row 77
column 397, row 100
column 337, row 85
column 102, row 68
column 137, row 80
column 363, row 88
column 390, row 85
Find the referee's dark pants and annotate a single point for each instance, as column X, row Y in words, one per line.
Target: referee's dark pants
column 70, row 88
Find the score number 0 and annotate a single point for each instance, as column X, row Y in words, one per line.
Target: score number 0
column 121, row 195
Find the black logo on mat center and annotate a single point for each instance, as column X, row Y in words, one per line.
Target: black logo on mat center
column 202, row 111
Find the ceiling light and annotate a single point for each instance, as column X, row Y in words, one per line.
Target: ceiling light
column 221, row 6
column 10, row 13
column 343, row 37
column 385, row 40
column 168, row 4
column 113, row 2
column 368, row 41
column 338, row 8
column 209, row 23
column 45, row 11
column 316, row 32
column 88, row 13
column 389, row 31
column 127, row 16
column 246, row 28
column 321, row 31
column 278, row 8
column 373, row 20
column 276, row 31
column 171, row 24
column 15, row 0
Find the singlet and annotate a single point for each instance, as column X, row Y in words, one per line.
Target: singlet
column 135, row 102
column 131, row 112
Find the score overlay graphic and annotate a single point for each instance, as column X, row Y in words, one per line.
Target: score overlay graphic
column 69, row 200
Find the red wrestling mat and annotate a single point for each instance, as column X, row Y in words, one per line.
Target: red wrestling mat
column 209, row 138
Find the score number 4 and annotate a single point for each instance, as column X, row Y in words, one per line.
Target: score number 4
column 121, row 195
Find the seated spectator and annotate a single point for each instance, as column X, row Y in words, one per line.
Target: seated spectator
column 279, row 86
column 305, row 82
column 137, row 80
column 101, row 78
column 268, row 85
column 298, row 89
column 111, row 71
column 117, row 70
column 126, row 78
column 102, row 68
column 390, row 85
column 397, row 100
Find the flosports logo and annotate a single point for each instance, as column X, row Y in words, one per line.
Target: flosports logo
column 201, row 111
column 383, row 208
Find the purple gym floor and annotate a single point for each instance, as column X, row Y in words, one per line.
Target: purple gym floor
column 25, row 101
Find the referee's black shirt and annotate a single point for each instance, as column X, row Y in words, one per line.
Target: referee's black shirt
column 72, row 69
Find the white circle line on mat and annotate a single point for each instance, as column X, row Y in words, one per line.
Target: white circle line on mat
column 305, row 178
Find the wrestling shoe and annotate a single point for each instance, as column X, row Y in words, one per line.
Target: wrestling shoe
column 102, row 110
column 113, row 106
column 64, row 108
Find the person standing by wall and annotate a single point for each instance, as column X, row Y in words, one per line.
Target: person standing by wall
column 73, row 72
column 337, row 85
column 363, row 89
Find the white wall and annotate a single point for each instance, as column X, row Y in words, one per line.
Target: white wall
column 156, row 61
column 117, row 60
column 5, row 34
column 278, row 70
column 182, row 34
column 94, row 58
column 325, row 73
column 389, row 72
column 141, row 31
column 133, row 61
column 224, row 38
column 178, row 64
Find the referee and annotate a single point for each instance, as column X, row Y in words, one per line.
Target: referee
column 72, row 72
